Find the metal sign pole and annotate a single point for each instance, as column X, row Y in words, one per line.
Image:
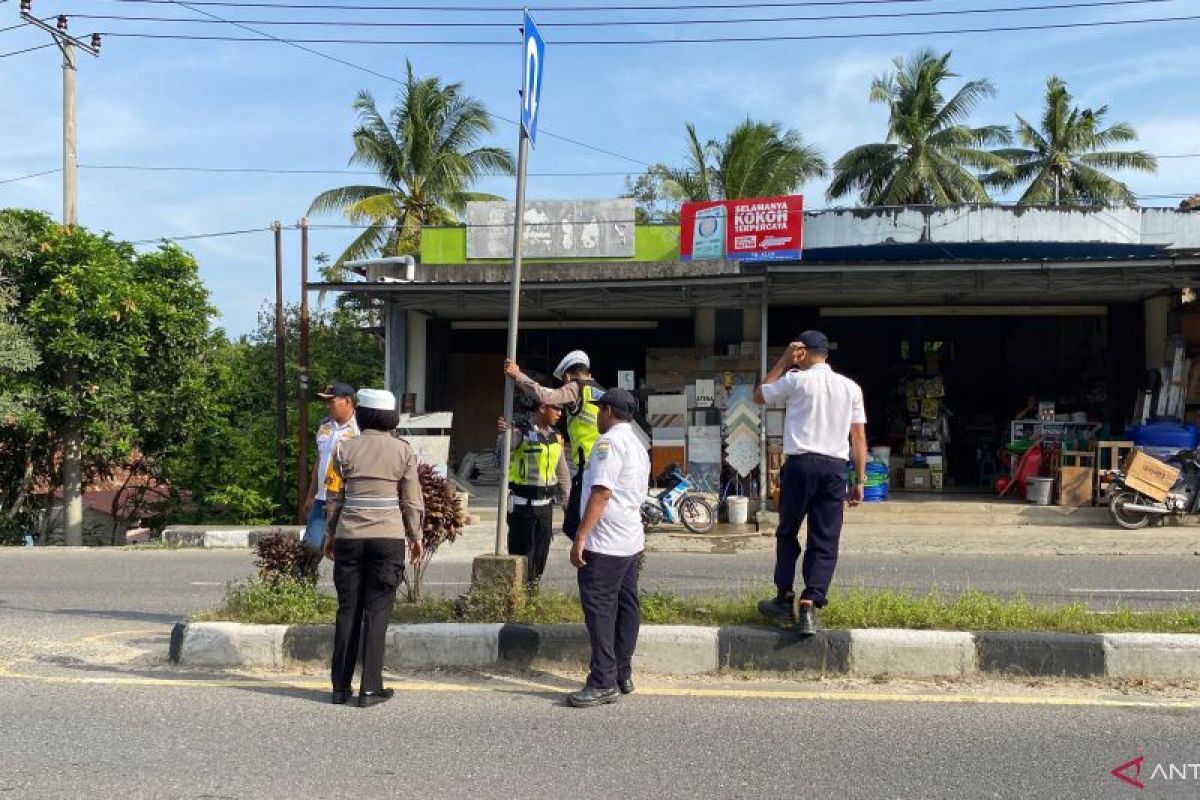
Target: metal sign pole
column 514, row 314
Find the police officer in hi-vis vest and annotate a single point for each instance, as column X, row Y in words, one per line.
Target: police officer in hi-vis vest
column 578, row 395
column 538, row 477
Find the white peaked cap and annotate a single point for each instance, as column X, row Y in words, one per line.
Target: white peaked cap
column 380, row 399
column 569, row 360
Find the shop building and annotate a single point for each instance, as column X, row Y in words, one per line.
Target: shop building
column 951, row 319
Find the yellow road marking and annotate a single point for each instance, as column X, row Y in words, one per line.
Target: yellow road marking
column 518, row 685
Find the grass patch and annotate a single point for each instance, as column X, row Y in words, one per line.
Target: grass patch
column 288, row 602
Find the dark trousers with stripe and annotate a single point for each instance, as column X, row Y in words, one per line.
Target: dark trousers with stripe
column 530, row 529
column 608, row 592
column 813, row 487
column 366, row 573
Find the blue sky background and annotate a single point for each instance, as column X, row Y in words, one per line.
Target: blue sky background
column 212, row 104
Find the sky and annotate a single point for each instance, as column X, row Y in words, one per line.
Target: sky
column 154, row 102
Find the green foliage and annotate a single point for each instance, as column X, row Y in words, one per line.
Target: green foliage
column 929, row 152
column 283, row 602
column 284, row 558
column 426, row 155
column 656, row 195
column 228, row 465
column 120, row 341
column 756, row 159
column 853, row 608
column 1065, row 160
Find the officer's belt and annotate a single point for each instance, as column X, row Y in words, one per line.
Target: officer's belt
column 364, row 503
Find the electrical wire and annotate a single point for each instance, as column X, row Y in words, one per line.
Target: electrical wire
column 519, row 9
column 396, row 80
column 626, row 23
column 273, row 171
column 632, row 42
column 27, row 50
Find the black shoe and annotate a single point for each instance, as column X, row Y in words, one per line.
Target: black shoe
column 626, row 686
column 807, row 623
column 368, row 699
column 778, row 610
column 591, row 696
column 340, row 698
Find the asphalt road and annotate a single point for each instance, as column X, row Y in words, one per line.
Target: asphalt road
column 91, row 710
column 494, row 738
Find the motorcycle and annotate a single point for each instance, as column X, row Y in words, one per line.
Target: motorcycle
column 675, row 505
column 1133, row 510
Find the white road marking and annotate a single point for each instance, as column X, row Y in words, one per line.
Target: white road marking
column 1139, row 591
column 207, row 583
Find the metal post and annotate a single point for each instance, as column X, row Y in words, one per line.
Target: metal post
column 762, row 428
column 280, row 378
column 302, row 424
column 70, row 156
column 514, row 313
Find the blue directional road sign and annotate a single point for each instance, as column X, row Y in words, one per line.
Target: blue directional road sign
column 531, row 86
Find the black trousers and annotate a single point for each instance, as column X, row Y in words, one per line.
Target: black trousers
column 608, row 592
column 571, row 516
column 530, row 529
column 811, row 486
column 366, row 573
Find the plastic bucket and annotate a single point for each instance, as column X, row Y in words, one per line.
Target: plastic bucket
column 881, row 454
column 739, row 510
column 1039, row 490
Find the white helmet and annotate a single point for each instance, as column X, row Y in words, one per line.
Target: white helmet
column 572, row 359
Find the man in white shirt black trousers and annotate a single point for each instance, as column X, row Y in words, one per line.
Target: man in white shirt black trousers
column 824, row 418
column 608, row 548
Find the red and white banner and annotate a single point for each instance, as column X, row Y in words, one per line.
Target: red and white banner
column 754, row 229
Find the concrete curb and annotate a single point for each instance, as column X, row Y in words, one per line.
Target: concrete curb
column 697, row 650
column 224, row 537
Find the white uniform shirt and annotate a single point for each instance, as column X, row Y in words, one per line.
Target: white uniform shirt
column 619, row 463
column 328, row 435
column 821, row 406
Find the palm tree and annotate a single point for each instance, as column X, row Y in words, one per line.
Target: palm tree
column 757, row 159
column 1064, row 161
column 425, row 153
column 929, row 150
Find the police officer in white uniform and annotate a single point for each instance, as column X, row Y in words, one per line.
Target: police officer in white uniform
column 340, row 424
column 608, row 549
column 824, row 417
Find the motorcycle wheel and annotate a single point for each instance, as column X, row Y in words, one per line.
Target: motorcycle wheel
column 652, row 515
column 697, row 515
column 1129, row 520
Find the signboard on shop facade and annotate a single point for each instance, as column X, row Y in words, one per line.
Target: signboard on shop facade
column 566, row 229
column 753, row 229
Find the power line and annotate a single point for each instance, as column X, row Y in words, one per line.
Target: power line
column 31, row 175
column 393, row 79
column 629, row 42
column 539, row 9
column 27, row 50
column 274, row 171
column 627, row 23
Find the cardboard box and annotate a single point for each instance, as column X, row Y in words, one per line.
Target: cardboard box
column 1076, row 485
column 1149, row 476
column 917, row 479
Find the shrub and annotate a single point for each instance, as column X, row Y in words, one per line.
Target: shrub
column 443, row 523
column 282, row 557
column 281, row 602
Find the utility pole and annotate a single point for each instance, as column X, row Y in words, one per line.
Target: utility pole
column 280, row 378
column 72, row 467
column 67, row 44
column 302, row 461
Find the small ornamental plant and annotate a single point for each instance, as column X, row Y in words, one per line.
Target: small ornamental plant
column 443, row 523
column 284, row 558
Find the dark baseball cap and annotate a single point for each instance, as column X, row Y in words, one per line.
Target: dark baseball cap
column 619, row 399
column 814, row 340
column 336, row 390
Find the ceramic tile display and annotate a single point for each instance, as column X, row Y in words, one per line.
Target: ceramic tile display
column 743, row 424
